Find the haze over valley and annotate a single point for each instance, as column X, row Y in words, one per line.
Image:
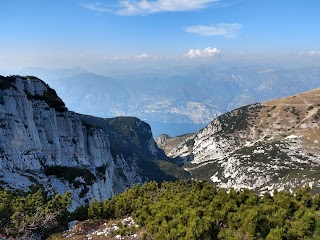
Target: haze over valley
column 180, row 99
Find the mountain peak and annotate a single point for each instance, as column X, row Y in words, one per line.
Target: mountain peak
column 34, row 88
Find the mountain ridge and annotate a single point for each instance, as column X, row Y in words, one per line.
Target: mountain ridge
column 263, row 146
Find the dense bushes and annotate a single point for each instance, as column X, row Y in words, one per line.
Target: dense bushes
column 174, row 210
column 24, row 215
column 7, row 82
column 51, row 98
column 197, row 210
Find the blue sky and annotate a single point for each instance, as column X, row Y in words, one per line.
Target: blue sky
column 82, row 32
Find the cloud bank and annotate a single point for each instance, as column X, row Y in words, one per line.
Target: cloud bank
column 137, row 57
column 143, row 56
column 312, row 53
column 228, row 30
column 145, row 7
column 207, row 52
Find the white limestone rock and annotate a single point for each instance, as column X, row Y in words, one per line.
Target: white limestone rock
column 35, row 137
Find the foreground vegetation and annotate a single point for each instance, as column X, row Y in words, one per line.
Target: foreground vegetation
column 33, row 214
column 174, row 210
column 197, row 210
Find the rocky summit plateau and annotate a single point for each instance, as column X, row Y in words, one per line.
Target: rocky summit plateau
column 263, row 146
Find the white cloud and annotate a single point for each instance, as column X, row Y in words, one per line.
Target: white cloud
column 97, row 7
column 119, row 58
column 134, row 58
column 207, row 52
column 228, row 30
column 144, row 7
column 143, row 56
column 312, row 53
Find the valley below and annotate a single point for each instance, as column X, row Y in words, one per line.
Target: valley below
column 180, row 99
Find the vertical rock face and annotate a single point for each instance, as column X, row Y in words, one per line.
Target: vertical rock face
column 42, row 142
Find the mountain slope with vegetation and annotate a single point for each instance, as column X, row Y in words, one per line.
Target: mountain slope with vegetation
column 265, row 146
column 197, row 210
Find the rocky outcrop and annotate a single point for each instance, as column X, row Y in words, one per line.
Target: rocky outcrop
column 41, row 142
column 177, row 147
column 266, row 146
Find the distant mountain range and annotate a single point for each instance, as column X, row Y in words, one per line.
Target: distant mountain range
column 265, row 146
column 180, row 99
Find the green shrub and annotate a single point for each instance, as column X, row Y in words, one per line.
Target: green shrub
column 71, row 173
column 310, row 108
column 51, row 98
column 7, row 82
column 24, row 214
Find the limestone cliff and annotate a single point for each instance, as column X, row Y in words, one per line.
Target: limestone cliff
column 41, row 142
